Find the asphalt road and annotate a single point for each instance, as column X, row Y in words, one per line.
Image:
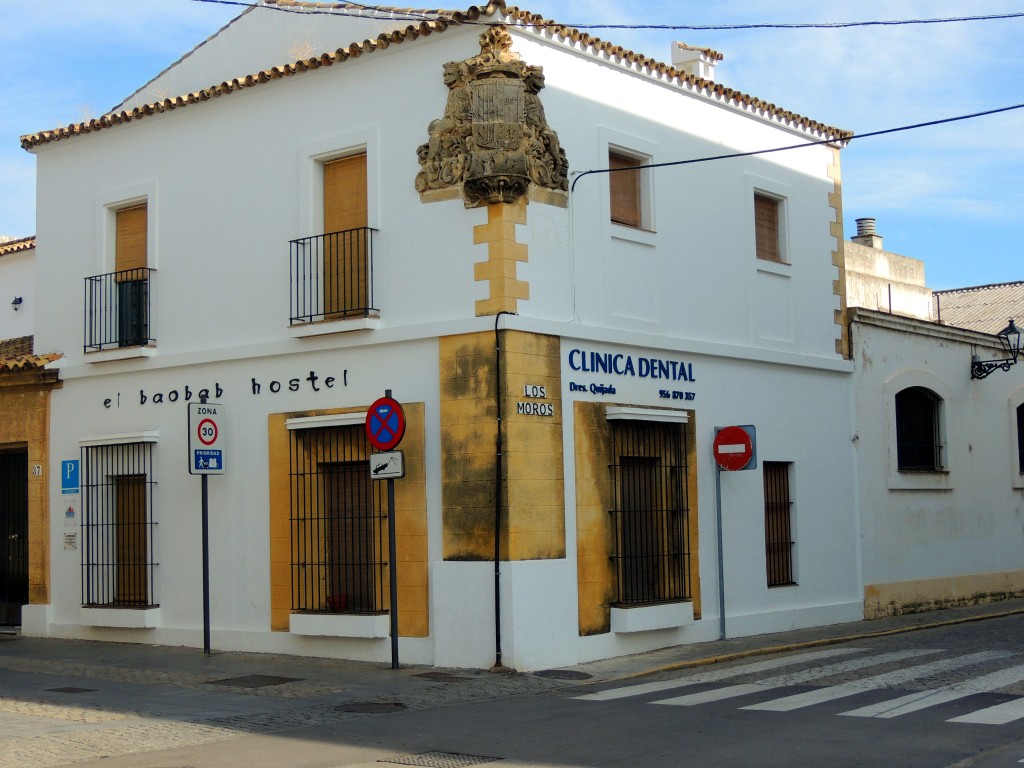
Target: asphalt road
column 935, row 698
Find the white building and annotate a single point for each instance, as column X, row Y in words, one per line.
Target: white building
column 564, row 340
column 25, row 383
column 940, row 457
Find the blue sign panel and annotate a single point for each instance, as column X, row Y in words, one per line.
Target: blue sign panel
column 208, row 460
column 69, row 476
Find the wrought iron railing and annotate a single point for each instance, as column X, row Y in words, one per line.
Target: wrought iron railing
column 332, row 276
column 117, row 310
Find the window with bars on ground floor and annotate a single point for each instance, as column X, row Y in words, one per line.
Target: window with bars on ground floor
column 1020, row 438
column 919, row 430
column 649, row 523
column 778, row 524
column 338, row 523
column 118, row 564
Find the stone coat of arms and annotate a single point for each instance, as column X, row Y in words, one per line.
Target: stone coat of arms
column 493, row 141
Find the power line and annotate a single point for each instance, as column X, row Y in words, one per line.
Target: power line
column 406, row 14
column 848, row 139
column 805, row 25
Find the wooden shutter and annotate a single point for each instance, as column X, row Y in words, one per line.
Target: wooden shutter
column 346, row 272
column 766, row 227
column 130, row 241
column 345, row 193
column 132, row 539
column 625, row 189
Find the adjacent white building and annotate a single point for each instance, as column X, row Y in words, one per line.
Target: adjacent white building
column 478, row 218
column 940, row 460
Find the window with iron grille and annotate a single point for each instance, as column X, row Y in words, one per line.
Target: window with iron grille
column 118, row 566
column 649, row 523
column 338, row 523
column 778, row 524
column 918, row 430
column 1020, row 438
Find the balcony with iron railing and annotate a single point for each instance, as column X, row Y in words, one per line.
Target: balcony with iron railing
column 117, row 310
column 332, row 277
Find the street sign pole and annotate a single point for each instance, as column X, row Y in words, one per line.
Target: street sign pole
column 206, row 564
column 721, row 553
column 734, row 449
column 205, row 457
column 385, row 428
column 392, row 566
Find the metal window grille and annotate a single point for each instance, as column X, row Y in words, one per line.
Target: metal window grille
column 1020, row 438
column 332, row 276
column 117, row 309
column 778, row 524
column 650, row 554
column 13, row 535
column 338, row 523
column 918, row 442
column 118, row 527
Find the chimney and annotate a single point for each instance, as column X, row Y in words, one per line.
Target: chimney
column 699, row 62
column 866, row 234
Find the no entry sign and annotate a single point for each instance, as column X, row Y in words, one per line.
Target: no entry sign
column 385, row 424
column 734, row 448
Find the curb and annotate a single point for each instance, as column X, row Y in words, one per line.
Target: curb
column 787, row 647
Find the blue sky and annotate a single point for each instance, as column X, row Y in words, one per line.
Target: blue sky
column 950, row 195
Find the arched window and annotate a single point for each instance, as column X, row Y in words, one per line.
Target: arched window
column 918, row 433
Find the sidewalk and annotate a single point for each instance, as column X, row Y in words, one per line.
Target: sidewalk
column 70, row 701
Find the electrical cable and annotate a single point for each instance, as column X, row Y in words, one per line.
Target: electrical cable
column 408, row 14
column 833, row 140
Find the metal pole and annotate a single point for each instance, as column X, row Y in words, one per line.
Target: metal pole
column 721, row 553
column 206, row 565
column 393, row 571
column 392, row 566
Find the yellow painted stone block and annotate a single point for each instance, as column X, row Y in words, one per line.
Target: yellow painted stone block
column 412, row 623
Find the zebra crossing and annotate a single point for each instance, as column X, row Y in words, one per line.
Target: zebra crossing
column 772, row 675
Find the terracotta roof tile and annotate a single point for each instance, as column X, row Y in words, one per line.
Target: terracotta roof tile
column 444, row 19
column 16, row 246
column 711, row 53
column 985, row 308
column 17, row 355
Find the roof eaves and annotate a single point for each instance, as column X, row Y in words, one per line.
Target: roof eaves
column 180, row 59
column 975, row 288
column 382, row 41
column 28, row 362
column 17, row 246
column 662, row 71
column 514, row 17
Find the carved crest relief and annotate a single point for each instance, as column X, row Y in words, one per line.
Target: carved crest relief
column 493, row 140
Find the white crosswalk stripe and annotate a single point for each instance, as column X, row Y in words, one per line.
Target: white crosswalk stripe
column 808, row 671
column 889, row 679
column 713, row 676
column 795, row 678
column 915, row 702
column 1000, row 714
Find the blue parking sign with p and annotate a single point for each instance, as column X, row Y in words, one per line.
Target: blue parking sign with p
column 69, row 476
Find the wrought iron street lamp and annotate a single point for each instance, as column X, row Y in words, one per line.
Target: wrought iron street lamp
column 1010, row 339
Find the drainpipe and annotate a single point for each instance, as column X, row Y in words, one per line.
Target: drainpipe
column 498, row 466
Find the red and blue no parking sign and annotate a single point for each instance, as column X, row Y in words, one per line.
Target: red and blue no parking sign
column 385, row 424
